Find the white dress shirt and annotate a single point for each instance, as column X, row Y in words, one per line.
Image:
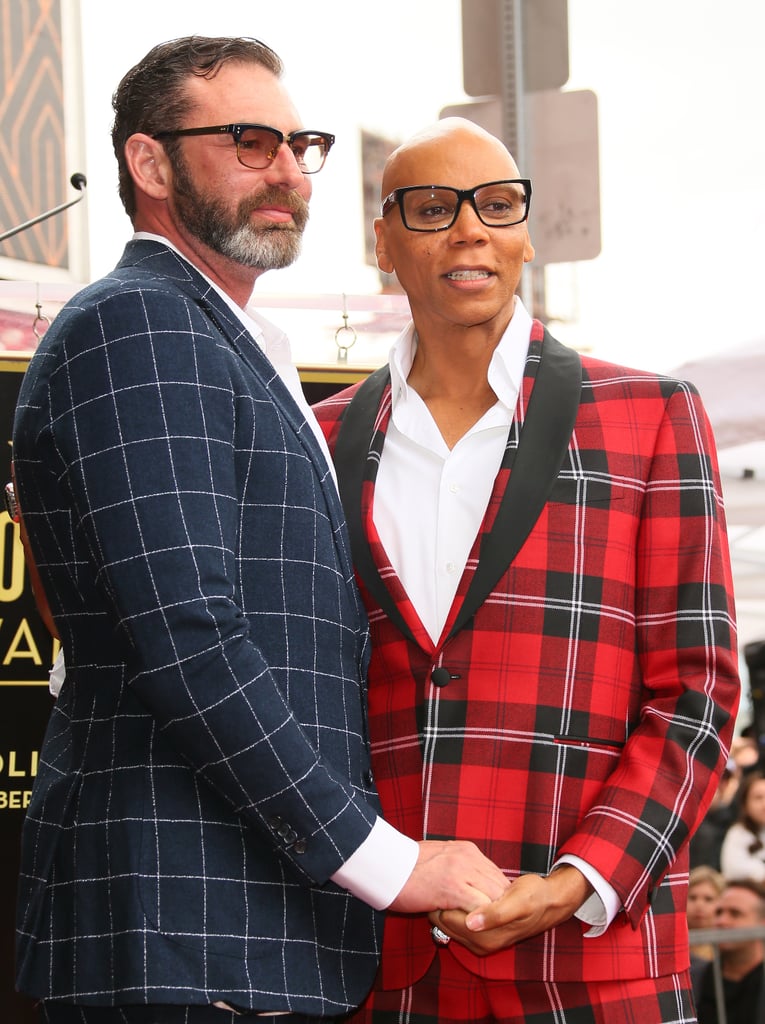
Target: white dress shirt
column 440, row 495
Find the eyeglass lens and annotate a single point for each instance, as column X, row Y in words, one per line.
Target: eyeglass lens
column 257, row 147
column 497, row 205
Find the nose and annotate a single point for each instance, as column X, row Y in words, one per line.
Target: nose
column 468, row 227
column 283, row 171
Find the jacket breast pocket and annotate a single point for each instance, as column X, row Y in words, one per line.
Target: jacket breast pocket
column 587, row 491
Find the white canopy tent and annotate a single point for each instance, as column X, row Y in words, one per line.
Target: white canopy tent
column 732, row 385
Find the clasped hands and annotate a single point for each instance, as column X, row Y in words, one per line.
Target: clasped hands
column 478, row 906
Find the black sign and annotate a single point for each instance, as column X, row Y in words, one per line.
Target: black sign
column 27, row 651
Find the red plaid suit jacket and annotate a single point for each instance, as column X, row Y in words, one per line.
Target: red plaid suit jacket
column 590, row 682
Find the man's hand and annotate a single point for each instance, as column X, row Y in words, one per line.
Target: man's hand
column 531, row 905
column 450, row 875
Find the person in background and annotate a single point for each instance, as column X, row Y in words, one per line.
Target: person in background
column 744, row 750
column 203, row 839
column 707, row 840
column 705, row 886
column 742, row 905
column 540, row 542
column 743, row 848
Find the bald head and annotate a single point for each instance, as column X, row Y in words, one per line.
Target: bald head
column 460, row 274
column 454, row 148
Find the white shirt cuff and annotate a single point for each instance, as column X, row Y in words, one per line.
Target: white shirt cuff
column 378, row 870
column 602, row 906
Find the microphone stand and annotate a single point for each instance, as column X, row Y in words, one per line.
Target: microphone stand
column 78, row 181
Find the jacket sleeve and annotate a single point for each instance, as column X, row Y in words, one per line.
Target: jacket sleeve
column 669, row 768
column 147, row 410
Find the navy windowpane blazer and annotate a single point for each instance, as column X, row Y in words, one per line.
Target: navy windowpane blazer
column 206, row 768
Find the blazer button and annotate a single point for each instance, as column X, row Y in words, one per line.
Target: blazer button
column 300, row 846
column 440, row 677
column 369, row 778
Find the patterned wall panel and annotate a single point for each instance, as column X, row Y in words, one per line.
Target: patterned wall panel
column 33, row 175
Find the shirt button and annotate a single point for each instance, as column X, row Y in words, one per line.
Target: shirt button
column 454, row 488
column 451, row 568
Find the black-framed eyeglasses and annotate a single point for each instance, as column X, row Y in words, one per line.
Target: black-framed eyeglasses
column 498, row 204
column 258, row 144
column 11, row 505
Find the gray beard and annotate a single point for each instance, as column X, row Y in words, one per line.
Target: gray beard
column 230, row 232
column 260, row 248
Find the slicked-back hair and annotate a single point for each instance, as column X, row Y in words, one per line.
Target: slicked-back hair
column 152, row 97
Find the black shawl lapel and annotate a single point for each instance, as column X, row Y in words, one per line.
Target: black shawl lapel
column 543, row 443
column 544, row 439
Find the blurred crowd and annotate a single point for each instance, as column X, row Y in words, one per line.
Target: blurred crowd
column 727, row 890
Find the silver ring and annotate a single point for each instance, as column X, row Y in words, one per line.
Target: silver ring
column 440, row 938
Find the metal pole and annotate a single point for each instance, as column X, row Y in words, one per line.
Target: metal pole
column 513, row 126
column 514, row 106
column 722, row 1015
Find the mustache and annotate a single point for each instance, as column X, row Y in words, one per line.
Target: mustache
column 271, row 195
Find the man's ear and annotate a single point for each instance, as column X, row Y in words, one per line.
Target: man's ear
column 148, row 165
column 384, row 262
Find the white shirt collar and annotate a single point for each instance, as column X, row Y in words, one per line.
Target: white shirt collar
column 270, row 338
column 505, row 372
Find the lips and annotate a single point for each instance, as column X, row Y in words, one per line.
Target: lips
column 279, row 216
column 278, row 207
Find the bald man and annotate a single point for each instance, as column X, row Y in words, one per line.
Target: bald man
column 540, row 542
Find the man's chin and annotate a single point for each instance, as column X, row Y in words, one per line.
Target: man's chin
column 272, row 250
column 277, row 261
column 271, row 266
